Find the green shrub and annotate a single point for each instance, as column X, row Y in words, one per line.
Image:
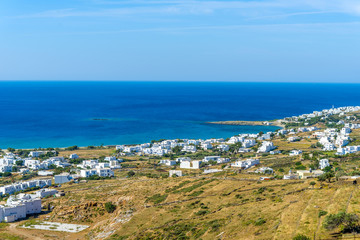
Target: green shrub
column 301, row 237
column 322, row 213
column 202, row 212
column 157, row 198
column 348, row 222
column 110, row 207
column 259, row 222
column 130, row 173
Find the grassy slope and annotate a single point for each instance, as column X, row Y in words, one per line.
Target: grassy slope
column 201, row 208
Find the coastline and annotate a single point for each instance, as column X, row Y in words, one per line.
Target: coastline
column 276, row 123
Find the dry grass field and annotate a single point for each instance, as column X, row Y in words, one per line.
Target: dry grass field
column 217, row 206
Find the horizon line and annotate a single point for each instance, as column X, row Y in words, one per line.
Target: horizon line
column 183, row 81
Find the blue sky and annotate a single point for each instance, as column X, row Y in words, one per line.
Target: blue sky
column 180, row 40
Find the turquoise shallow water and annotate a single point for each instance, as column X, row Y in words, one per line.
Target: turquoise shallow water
column 59, row 114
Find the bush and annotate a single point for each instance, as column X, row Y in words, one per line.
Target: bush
column 130, row 173
column 259, row 222
column 301, row 237
column 347, row 221
column 202, row 212
column 72, row 148
column 157, row 198
column 110, row 207
column 322, row 213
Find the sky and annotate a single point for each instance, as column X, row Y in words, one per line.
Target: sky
column 181, row 40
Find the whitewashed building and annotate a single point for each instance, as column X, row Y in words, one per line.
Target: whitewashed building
column 190, row 164
column 18, row 207
column 178, row 173
column 295, row 152
column 266, row 146
column 323, row 163
column 101, row 172
column 246, row 164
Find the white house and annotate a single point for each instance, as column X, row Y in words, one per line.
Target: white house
column 206, row 146
column 45, row 192
column 265, row 170
column 88, row 164
column 114, row 164
column 345, row 131
column 111, row 158
column 183, row 159
column 178, row 173
column 73, row 156
column 206, row 171
column 131, row 149
column 190, row 164
column 291, row 176
column 168, row 162
column 295, row 152
column 266, row 146
column 246, row 164
column 247, row 143
column 329, row 147
column 342, row 141
column 305, row 174
column 101, row 172
column 120, row 147
column 17, row 207
column 223, row 147
column 189, row 148
column 5, row 168
column 36, row 153
column 62, row 178
column 323, row 163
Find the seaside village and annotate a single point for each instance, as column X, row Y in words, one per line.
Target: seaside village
column 303, row 147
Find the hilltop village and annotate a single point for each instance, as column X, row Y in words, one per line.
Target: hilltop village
column 286, row 184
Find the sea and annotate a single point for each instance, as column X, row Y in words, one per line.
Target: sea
column 36, row 114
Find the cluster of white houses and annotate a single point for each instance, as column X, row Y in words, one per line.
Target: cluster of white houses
column 186, row 162
column 85, row 169
column 348, row 150
column 22, row 186
column 10, row 160
column 331, row 138
column 323, row 114
column 192, row 145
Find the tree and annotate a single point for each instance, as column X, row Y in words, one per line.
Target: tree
column 14, row 169
column 110, row 207
column 312, row 183
column 326, row 176
column 348, row 222
column 176, row 150
column 339, row 174
column 19, row 162
column 11, row 149
column 72, row 148
column 327, row 169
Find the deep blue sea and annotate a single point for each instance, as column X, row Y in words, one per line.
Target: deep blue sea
column 60, row 114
